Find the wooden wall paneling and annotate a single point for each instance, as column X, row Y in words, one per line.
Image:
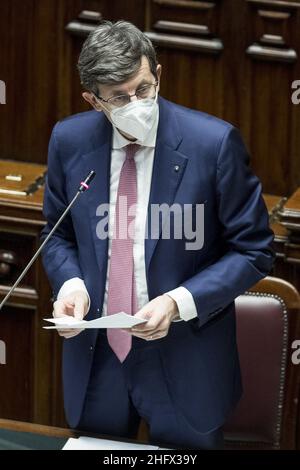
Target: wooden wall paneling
column 38, row 65
column 273, row 33
column 273, row 51
column 189, row 49
column 27, row 65
column 236, row 97
column 294, row 120
column 250, row 90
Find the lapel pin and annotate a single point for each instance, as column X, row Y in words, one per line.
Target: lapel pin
column 176, row 168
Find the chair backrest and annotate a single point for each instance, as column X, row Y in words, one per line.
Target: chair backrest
column 267, row 324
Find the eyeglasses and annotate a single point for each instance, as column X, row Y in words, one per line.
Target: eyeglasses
column 143, row 92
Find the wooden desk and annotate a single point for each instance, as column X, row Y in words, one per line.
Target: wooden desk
column 285, row 222
column 32, row 376
column 18, row 435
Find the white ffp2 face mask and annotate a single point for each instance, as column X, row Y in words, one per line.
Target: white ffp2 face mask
column 136, row 118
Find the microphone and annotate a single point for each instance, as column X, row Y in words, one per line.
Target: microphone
column 84, row 185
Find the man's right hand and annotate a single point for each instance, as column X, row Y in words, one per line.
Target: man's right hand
column 75, row 305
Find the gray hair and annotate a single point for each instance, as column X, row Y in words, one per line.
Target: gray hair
column 112, row 54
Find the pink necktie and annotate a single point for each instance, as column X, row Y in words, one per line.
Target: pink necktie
column 121, row 283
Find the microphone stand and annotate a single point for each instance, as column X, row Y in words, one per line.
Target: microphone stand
column 84, row 185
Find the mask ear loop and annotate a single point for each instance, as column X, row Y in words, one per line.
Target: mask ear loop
column 107, row 110
column 101, row 102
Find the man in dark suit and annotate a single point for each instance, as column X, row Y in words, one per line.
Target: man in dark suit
column 171, row 166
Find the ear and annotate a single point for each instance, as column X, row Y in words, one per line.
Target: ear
column 90, row 98
column 158, row 71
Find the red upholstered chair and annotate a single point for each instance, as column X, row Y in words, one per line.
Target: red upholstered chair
column 267, row 325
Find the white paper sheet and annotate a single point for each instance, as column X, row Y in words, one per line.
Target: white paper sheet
column 117, row 320
column 90, row 443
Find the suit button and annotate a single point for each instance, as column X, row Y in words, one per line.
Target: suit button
column 91, row 348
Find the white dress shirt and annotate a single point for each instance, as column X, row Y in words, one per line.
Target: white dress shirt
column 144, row 158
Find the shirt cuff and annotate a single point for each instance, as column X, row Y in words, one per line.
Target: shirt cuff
column 70, row 286
column 185, row 303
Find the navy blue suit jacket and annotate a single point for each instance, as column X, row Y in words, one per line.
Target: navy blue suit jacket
column 213, row 170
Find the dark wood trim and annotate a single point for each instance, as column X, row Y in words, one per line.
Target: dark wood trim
column 209, row 46
column 275, row 3
column 274, row 15
column 79, row 29
column 188, row 28
column 186, row 4
column 50, row 431
column 257, row 51
column 22, row 296
column 86, row 22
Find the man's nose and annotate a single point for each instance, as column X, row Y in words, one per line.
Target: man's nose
column 133, row 98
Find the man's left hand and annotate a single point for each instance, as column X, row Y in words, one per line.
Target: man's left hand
column 159, row 312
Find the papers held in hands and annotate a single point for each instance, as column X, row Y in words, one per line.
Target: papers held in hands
column 117, row 320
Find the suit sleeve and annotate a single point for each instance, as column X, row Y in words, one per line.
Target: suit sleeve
column 245, row 231
column 59, row 255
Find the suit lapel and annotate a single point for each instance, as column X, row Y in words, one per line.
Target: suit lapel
column 99, row 160
column 168, row 169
